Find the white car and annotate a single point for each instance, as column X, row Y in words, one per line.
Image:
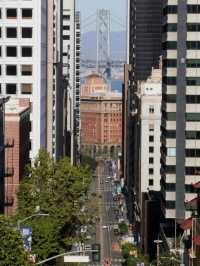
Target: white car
column 104, row 226
column 108, row 177
column 84, row 229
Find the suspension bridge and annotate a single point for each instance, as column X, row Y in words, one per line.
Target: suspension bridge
column 105, row 62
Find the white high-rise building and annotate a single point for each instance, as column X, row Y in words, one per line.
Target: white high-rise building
column 71, row 72
column 23, row 60
column 150, row 119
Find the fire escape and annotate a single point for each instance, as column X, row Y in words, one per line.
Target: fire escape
column 9, row 174
column 6, row 163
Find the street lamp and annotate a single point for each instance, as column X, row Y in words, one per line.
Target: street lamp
column 30, row 217
column 158, row 242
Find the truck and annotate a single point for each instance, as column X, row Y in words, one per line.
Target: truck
column 116, row 229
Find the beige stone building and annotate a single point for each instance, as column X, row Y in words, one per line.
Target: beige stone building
column 101, row 117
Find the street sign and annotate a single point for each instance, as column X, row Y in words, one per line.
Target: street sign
column 26, row 233
column 79, row 259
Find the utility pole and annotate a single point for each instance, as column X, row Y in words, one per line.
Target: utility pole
column 158, row 242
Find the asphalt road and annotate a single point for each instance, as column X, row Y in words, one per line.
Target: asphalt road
column 108, row 241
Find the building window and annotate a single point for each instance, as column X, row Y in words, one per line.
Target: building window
column 11, row 51
column 67, row 17
column 66, row 37
column 151, row 127
column 151, row 182
column 11, row 32
column 11, row 70
column 151, row 109
column 27, row 13
column 170, row 187
column 26, row 32
column 0, row 88
column 171, row 152
column 26, row 51
column 151, row 160
column 170, row 204
column 66, row 27
column 26, row 70
column 11, row 88
column 151, row 171
column 195, row 117
column 26, row 88
column 151, row 138
column 151, row 149
column 11, row 13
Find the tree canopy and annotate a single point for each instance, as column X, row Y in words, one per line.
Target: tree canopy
column 11, row 245
column 59, row 189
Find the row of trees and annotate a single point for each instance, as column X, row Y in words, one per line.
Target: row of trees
column 60, row 190
column 133, row 257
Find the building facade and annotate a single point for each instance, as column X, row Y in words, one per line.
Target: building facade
column 144, row 49
column 101, row 118
column 180, row 108
column 17, row 148
column 150, row 120
column 23, row 45
column 2, row 170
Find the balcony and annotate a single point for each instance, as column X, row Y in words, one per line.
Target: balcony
column 9, row 200
column 9, row 171
column 9, row 143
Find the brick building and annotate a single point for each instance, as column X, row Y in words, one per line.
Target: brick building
column 17, row 148
column 101, row 117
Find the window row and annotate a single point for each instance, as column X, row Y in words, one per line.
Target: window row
column 192, row 152
column 190, row 81
column 13, row 13
column 171, row 134
column 171, row 98
column 173, row 9
column 11, row 70
column 189, row 117
column 11, row 32
column 172, row 45
column 190, row 63
column 12, row 51
column 11, row 88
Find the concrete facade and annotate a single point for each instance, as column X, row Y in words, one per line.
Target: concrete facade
column 150, row 119
column 180, row 108
column 23, row 60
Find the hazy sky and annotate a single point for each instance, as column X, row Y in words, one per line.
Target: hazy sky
column 89, row 7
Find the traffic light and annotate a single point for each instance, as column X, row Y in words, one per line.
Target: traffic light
column 96, row 255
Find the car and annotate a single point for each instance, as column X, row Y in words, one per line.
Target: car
column 106, row 181
column 83, row 228
column 88, row 247
column 104, row 226
column 108, row 177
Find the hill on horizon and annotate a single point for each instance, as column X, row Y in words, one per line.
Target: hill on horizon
column 118, row 45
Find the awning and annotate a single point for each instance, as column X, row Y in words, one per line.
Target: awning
column 197, row 185
column 187, row 224
column 192, row 203
column 196, row 240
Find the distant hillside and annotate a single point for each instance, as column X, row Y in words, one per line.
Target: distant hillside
column 118, row 45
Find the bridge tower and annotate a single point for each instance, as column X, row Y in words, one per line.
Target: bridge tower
column 103, row 40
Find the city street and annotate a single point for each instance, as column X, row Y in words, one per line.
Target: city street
column 110, row 249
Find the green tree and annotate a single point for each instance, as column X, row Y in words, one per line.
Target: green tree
column 60, row 190
column 170, row 259
column 123, row 228
column 11, row 245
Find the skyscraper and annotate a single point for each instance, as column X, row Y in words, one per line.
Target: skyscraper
column 23, row 46
column 180, row 108
column 144, row 50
